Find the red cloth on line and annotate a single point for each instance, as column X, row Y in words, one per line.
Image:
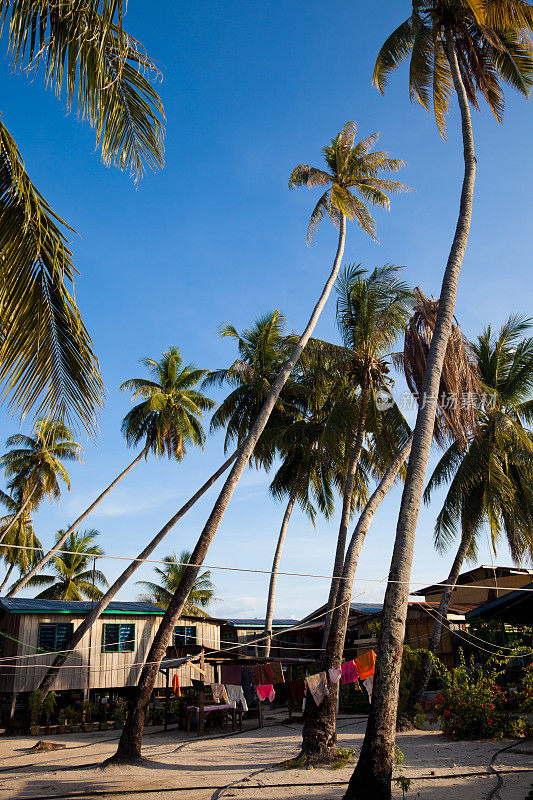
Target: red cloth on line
column 176, row 685
column 231, row 676
column 366, row 664
column 296, row 690
column 266, row 692
column 349, row 672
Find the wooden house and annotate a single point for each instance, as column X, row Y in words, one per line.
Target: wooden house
column 110, row 656
column 480, row 585
column 285, row 645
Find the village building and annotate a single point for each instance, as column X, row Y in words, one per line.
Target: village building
column 109, row 658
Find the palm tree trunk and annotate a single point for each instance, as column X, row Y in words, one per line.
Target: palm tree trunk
column 21, row 583
column 17, row 515
column 373, row 773
column 48, row 681
column 8, row 573
column 421, row 679
column 269, row 616
column 319, row 735
column 346, row 513
column 129, row 748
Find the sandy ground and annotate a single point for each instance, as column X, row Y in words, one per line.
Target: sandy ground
column 192, row 769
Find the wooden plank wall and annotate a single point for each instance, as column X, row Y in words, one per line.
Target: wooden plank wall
column 88, row 667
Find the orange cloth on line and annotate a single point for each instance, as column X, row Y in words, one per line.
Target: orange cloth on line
column 176, row 685
column 366, row 664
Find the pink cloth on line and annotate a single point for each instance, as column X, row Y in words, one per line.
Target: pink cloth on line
column 266, row 692
column 349, row 672
column 334, row 674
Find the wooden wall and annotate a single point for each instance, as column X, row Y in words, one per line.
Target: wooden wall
column 88, row 667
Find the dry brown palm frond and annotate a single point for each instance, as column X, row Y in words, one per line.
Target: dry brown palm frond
column 460, row 386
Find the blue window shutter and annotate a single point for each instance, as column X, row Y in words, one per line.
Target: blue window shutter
column 127, row 638
column 110, row 637
column 64, row 631
column 47, row 636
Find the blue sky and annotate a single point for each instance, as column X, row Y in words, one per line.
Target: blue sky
column 250, row 90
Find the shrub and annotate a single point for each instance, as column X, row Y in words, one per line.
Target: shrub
column 35, row 707
column 48, row 706
column 120, row 709
column 471, row 705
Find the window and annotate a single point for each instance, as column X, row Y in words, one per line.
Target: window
column 118, row 638
column 54, row 636
column 184, row 634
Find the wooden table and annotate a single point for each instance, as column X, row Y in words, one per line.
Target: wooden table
column 224, row 709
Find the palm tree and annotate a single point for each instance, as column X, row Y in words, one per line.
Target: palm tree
column 202, row 593
column 491, row 480
column 20, row 547
column 372, row 312
column 312, row 446
column 46, row 354
column 262, row 350
column 74, row 575
column 353, row 170
column 165, row 421
column 471, row 45
column 173, row 402
column 168, row 417
column 34, row 464
column 458, row 377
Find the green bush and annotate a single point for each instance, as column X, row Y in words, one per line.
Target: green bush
column 471, row 705
column 120, row 709
column 48, row 705
column 35, row 707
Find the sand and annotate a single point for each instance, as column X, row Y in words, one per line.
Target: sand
column 197, row 769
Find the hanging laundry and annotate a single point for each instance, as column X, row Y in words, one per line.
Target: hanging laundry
column 220, row 694
column 369, row 685
column 231, row 675
column 349, row 672
column 266, row 692
column 256, row 675
column 247, row 685
column 334, row 674
column 236, row 695
column 318, row 686
column 272, row 673
column 296, row 690
column 176, row 685
column 366, row 664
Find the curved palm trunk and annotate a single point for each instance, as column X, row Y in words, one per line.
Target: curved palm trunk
column 48, row 681
column 269, row 616
column 8, row 574
column 129, row 748
column 17, row 515
column 373, row 774
column 421, row 680
column 319, row 735
column 21, row 583
column 345, row 515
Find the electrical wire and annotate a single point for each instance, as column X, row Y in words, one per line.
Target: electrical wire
column 289, row 574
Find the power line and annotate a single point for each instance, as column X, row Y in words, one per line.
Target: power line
column 289, row 574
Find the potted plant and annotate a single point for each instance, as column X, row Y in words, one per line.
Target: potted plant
column 35, row 704
column 120, row 709
column 48, row 706
column 61, row 720
column 87, row 715
column 75, row 719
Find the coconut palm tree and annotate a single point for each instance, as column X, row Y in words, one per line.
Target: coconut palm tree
column 167, row 418
column 458, row 376
column 491, row 479
column 74, row 575
column 19, row 537
column 372, row 312
column 262, row 350
column 165, row 421
column 34, row 464
column 312, row 447
column 84, row 53
column 468, row 47
column 354, row 170
column 202, row 593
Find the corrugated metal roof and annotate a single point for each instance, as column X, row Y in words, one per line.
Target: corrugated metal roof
column 367, row 608
column 31, row 605
column 260, row 623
